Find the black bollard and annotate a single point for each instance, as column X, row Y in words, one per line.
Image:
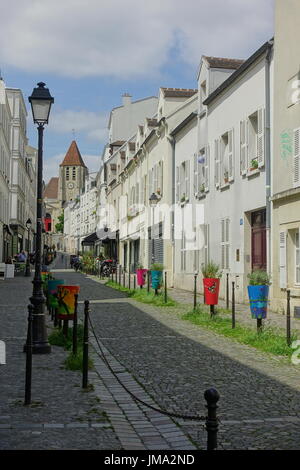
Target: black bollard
column 195, row 291
column 259, row 325
column 211, row 423
column 85, row 358
column 28, row 357
column 148, row 281
column 124, row 278
column 212, row 310
column 166, row 294
column 65, row 328
column 75, row 326
column 233, row 305
column 134, row 281
column 120, row 272
column 288, row 318
column 129, row 279
column 227, row 291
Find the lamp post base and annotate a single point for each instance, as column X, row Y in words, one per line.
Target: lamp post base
column 40, row 344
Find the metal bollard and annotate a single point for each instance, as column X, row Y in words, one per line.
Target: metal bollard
column 29, row 357
column 227, row 291
column 288, row 318
column 211, row 423
column 233, row 305
column 166, row 294
column 124, row 278
column 134, row 281
column 148, row 281
column 120, row 272
column 85, row 358
column 75, row 326
column 129, row 279
column 195, row 290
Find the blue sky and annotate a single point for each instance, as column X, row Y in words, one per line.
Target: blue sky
column 89, row 52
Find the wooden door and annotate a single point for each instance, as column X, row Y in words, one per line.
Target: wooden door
column 258, row 240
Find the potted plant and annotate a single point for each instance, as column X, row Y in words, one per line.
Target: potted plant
column 254, row 164
column 141, row 275
column 211, row 283
column 202, row 188
column 156, row 275
column 225, row 176
column 182, row 199
column 258, row 292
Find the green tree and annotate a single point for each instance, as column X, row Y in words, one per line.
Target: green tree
column 59, row 227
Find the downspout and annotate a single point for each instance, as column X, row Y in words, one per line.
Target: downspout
column 268, row 154
column 172, row 141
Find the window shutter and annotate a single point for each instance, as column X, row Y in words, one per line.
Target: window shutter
column 243, row 146
column 217, row 163
column 296, row 146
column 187, row 179
column 206, row 169
column 181, row 180
column 282, row 260
column 261, row 137
column 231, row 155
column 206, row 244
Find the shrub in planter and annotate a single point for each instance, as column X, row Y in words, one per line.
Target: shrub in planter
column 211, row 282
column 258, row 292
column 141, row 275
column 156, row 275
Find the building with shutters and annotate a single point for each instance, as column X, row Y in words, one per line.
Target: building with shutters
column 286, row 169
column 232, row 164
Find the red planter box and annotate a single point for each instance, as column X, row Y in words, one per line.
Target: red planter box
column 211, row 290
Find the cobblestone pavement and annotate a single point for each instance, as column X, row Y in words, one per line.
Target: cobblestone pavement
column 164, row 361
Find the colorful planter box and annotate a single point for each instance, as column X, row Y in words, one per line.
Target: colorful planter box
column 156, row 279
column 211, row 290
column 66, row 301
column 53, row 292
column 258, row 298
column 141, row 276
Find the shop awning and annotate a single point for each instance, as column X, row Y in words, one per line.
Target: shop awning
column 104, row 235
column 90, row 239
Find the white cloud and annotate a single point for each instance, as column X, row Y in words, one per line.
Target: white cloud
column 131, row 38
column 94, row 125
column 51, row 165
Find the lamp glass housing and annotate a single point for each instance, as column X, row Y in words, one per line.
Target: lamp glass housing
column 41, row 102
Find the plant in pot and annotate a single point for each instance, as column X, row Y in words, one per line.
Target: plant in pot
column 156, row 275
column 211, row 283
column 141, row 275
column 258, row 292
column 225, row 176
column 182, row 199
column 202, row 188
column 254, row 164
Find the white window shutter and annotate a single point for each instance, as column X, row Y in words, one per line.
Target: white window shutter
column 187, row 179
column 195, row 174
column 282, row 260
column 217, row 163
column 296, row 152
column 260, row 152
column 206, row 169
column 243, row 146
column 231, row 155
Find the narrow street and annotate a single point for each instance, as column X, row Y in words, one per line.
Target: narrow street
column 164, row 361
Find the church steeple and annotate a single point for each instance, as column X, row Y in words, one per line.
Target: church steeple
column 72, row 174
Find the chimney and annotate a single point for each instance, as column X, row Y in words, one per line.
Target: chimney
column 126, row 99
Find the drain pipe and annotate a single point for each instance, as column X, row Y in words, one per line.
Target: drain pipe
column 171, row 139
column 268, row 154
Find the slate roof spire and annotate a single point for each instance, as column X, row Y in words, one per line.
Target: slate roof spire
column 73, row 156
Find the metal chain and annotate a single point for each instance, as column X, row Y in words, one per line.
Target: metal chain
column 164, row 412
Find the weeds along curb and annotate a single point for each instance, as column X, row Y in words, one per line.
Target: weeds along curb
column 141, row 295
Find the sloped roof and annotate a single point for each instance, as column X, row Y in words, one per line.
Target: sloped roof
column 223, row 63
column 73, row 156
column 178, row 92
column 51, row 190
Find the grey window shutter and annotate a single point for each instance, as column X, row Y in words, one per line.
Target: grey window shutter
column 261, row 137
column 206, row 168
column 243, row 146
column 296, row 156
column 217, row 163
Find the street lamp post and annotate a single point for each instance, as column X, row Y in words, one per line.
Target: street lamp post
column 153, row 200
column 41, row 102
column 28, row 226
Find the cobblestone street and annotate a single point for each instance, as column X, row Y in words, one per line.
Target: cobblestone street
column 166, row 362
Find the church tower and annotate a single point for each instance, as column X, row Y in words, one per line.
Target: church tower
column 72, row 174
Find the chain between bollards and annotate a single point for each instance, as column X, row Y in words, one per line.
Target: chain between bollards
column 288, row 318
column 212, row 397
column 29, row 357
column 85, row 358
column 233, row 304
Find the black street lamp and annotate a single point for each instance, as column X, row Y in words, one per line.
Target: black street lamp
column 41, row 102
column 28, row 226
column 153, row 200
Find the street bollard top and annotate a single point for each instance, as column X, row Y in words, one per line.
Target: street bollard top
column 211, row 396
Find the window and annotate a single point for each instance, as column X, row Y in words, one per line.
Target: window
column 183, row 182
column 297, row 257
column 74, row 173
column 226, row 147
column 225, row 243
column 67, row 173
column 183, row 252
column 201, row 171
column 252, row 141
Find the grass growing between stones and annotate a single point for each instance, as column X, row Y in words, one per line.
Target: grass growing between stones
column 141, row 295
column 72, row 362
column 270, row 340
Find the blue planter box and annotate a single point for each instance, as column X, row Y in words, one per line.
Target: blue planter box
column 258, row 297
column 156, row 277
